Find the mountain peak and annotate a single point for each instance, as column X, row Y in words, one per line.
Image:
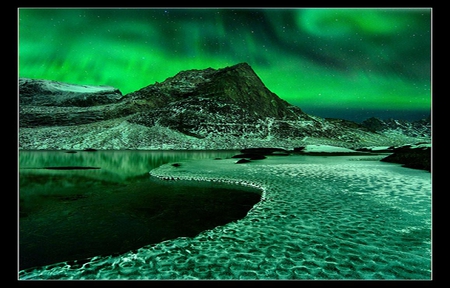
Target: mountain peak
column 186, row 80
column 234, row 85
column 239, row 66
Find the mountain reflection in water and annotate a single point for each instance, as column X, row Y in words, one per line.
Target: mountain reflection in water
column 70, row 214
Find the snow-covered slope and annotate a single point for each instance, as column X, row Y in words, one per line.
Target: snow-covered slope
column 53, row 93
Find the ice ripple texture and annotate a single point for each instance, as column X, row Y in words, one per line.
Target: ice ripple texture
column 319, row 218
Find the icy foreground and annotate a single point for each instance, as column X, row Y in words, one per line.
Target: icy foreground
column 343, row 217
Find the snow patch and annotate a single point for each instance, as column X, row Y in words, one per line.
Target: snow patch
column 421, row 146
column 58, row 87
column 379, row 148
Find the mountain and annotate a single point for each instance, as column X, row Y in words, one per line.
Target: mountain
column 44, row 103
column 227, row 108
column 419, row 128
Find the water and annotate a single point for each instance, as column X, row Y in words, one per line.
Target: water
column 342, row 217
column 75, row 213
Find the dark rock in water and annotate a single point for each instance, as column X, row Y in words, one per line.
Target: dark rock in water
column 372, row 150
column 90, row 150
column 298, row 149
column 243, row 160
column 71, row 152
column 176, row 164
column 404, row 148
column 417, row 158
column 251, row 156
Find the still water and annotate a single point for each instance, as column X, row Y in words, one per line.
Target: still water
column 82, row 204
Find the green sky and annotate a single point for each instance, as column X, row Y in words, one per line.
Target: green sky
column 346, row 63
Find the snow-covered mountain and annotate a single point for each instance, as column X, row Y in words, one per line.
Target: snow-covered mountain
column 228, row 108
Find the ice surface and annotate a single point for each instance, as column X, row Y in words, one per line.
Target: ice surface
column 342, row 217
column 325, row 149
column 378, row 148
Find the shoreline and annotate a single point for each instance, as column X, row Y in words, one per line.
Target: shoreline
column 305, row 199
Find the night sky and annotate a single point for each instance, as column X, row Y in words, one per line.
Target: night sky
column 344, row 63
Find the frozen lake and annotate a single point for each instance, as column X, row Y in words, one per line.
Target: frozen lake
column 320, row 217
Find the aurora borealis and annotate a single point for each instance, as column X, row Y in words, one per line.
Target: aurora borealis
column 345, row 63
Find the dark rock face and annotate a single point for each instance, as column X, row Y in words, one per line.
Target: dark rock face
column 417, row 158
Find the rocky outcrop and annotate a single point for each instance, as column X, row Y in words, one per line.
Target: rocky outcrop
column 412, row 156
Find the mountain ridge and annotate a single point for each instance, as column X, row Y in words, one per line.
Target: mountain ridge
column 226, row 108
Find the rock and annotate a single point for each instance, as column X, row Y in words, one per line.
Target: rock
column 375, row 149
column 411, row 157
column 243, row 160
column 89, row 150
column 176, row 164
